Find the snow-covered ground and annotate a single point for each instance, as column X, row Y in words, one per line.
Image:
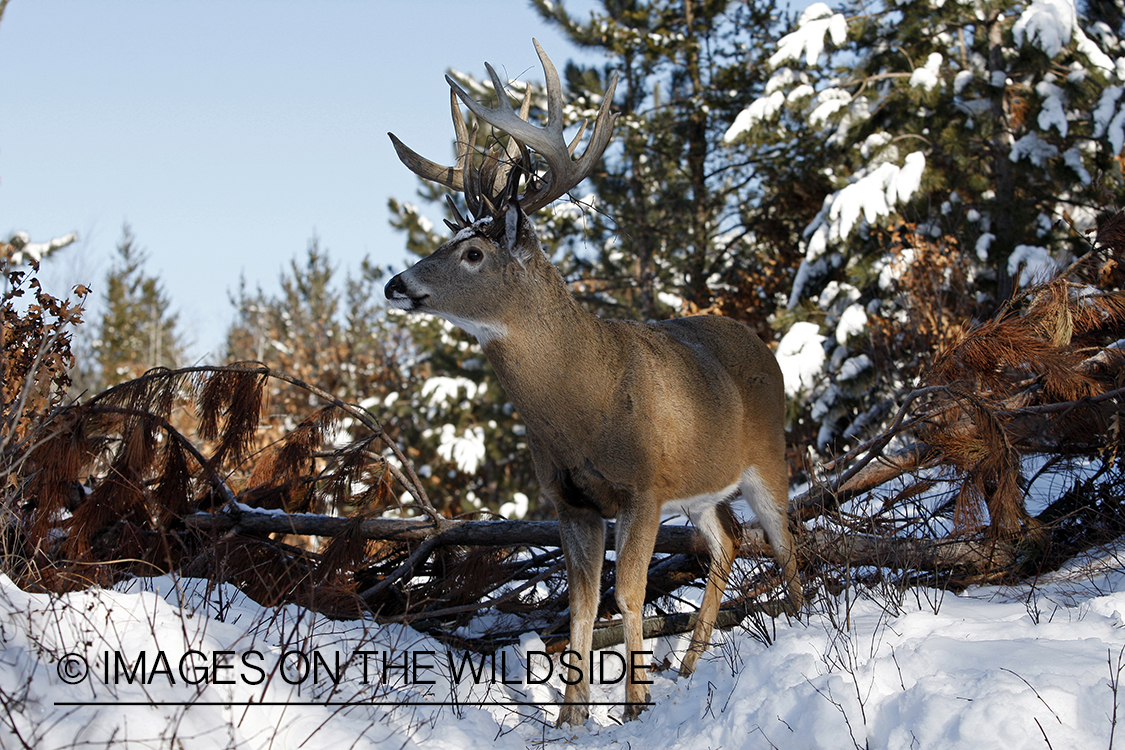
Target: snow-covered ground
column 1033, row 666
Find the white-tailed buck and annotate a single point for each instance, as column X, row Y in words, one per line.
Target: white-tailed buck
column 624, row 420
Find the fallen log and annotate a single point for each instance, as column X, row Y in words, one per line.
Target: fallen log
column 905, row 553
column 503, row 533
column 831, row 546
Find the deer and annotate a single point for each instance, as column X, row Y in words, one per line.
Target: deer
column 624, row 420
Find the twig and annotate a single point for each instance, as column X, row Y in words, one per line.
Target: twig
column 216, row 480
column 417, row 557
column 436, row 613
column 881, row 442
column 1115, row 686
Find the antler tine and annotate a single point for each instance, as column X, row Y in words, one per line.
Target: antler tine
column 574, row 142
column 471, row 181
column 564, row 172
column 554, row 92
column 451, row 177
column 461, row 222
column 502, row 164
column 465, row 140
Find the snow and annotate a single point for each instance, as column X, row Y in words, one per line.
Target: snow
column 853, row 321
column 854, row 367
column 1072, row 157
column 800, row 92
column 1116, row 131
column 891, row 269
column 759, row 110
column 1033, row 263
column 517, row 507
column 834, row 292
column 1092, row 51
column 991, row 668
column 828, row 103
column 816, row 21
column 1047, row 24
column 801, row 356
column 961, row 80
column 927, row 76
column 445, row 390
column 781, row 79
column 1052, row 113
column 1106, row 122
column 27, row 251
column 1034, row 149
column 466, row 450
column 983, row 243
column 872, row 194
column 1107, row 106
column 874, row 143
column 767, row 106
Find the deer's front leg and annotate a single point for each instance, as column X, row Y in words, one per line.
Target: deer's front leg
column 583, row 543
column 635, row 538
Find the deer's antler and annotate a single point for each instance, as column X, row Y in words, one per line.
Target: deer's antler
column 484, row 185
column 564, row 172
column 451, row 177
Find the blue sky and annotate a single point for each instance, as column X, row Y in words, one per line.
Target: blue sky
column 228, row 133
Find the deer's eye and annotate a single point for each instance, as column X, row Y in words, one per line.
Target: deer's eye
column 473, row 255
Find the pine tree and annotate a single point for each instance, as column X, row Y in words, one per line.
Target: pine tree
column 670, row 231
column 137, row 330
column 971, row 140
column 332, row 335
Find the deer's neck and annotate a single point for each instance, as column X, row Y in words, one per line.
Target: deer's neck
column 553, row 364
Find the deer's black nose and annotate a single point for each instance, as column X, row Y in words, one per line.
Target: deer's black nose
column 395, row 289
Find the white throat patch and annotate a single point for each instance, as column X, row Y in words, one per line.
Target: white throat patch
column 483, row 332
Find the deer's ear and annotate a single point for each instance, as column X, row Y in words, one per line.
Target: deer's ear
column 519, row 236
column 513, row 220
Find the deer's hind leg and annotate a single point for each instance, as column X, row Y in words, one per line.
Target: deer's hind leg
column 766, row 489
column 722, row 531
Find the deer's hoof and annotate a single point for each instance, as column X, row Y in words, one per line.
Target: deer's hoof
column 573, row 714
column 634, row 710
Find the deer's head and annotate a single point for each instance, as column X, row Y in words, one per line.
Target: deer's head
column 493, row 267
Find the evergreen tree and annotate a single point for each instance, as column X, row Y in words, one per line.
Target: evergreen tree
column 330, row 336
column 137, row 330
column 964, row 143
column 669, row 231
column 333, row 336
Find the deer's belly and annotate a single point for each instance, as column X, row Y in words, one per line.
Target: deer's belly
column 691, row 506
